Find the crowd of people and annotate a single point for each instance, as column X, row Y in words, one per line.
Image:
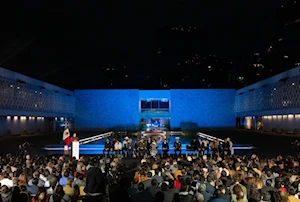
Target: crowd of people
column 56, row 179
column 213, row 173
column 230, row 178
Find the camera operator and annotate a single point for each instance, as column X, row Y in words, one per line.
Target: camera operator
column 23, row 149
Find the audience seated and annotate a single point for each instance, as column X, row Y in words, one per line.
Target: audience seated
column 193, row 178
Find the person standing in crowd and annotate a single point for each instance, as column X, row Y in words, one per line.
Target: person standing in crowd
column 142, row 194
column 107, row 146
column 94, row 187
column 165, row 148
column 177, row 147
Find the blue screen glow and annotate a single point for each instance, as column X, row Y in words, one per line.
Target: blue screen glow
column 107, row 109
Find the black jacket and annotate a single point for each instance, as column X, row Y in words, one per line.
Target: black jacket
column 193, row 145
column 107, row 145
column 94, row 181
column 177, row 146
column 166, row 146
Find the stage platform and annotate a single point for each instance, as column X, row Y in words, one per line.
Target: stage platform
column 94, row 145
column 94, row 149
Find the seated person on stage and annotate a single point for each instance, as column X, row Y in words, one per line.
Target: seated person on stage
column 193, row 145
column 206, row 145
column 125, row 144
column 142, row 146
column 154, row 148
column 200, row 147
column 226, row 147
column 118, row 147
column 114, row 140
column 177, row 146
column 215, row 147
column 149, row 141
column 130, row 148
column 165, row 148
column 107, row 146
column 74, row 138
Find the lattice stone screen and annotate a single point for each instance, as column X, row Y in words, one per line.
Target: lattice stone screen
column 280, row 95
column 22, row 96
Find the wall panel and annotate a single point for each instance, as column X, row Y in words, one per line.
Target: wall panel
column 107, row 109
column 208, row 108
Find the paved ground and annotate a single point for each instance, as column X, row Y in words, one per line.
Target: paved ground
column 267, row 144
column 10, row 144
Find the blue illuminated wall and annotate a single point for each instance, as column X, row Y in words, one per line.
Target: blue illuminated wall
column 154, row 94
column 207, row 108
column 119, row 109
column 107, row 109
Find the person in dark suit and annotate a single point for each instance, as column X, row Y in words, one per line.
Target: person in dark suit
column 147, row 183
column 94, row 187
column 194, row 145
column 165, row 148
column 222, row 193
column 177, row 147
column 202, row 190
column 141, row 195
column 107, row 146
column 153, row 189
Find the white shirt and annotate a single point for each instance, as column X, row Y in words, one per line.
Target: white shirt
column 49, row 168
column 44, row 179
column 118, row 146
column 7, row 182
column 13, row 169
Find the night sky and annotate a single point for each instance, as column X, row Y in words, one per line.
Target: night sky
column 68, row 43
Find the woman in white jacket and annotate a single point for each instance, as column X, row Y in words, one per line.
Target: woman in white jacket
column 118, row 147
column 153, row 146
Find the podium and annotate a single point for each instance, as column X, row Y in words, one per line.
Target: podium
column 75, row 149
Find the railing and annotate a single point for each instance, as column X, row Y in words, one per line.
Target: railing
column 209, row 137
column 95, row 138
column 176, row 133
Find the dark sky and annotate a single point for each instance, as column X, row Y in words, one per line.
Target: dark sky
column 67, row 42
